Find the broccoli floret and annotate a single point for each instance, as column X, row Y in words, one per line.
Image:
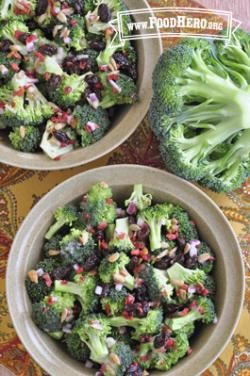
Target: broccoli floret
column 76, row 38
column 52, row 244
column 112, row 45
column 57, row 143
column 203, row 310
column 155, row 217
column 38, row 282
column 121, row 241
column 49, row 65
column 83, row 287
column 138, row 198
column 69, row 91
column 77, row 246
column 189, row 276
column 93, row 331
column 75, row 347
column 205, row 258
column 188, row 329
column 165, row 361
column 121, row 91
column 150, row 324
column 11, row 32
column 91, row 124
column 114, row 302
column 98, row 192
column 209, row 285
column 26, row 139
column 51, row 314
column 156, row 280
column 205, row 101
column 65, row 215
column 186, row 227
column 8, row 67
column 17, row 9
column 123, row 355
column 113, row 268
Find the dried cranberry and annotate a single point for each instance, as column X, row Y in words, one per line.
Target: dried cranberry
column 41, row 7
column 22, row 37
column 143, row 233
column 62, row 272
column 104, row 13
column 5, row 45
column 97, row 45
column 61, row 137
column 55, row 81
column 48, row 49
column 91, row 263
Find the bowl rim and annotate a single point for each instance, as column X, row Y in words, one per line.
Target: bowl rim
column 11, row 284
column 116, row 136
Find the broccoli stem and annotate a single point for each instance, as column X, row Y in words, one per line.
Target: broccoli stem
column 99, row 351
column 179, row 322
column 54, row 229
column 155, row 235
column 70, row 287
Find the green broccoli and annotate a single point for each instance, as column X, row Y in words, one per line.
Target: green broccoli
column 8, row 67
column 52, row 244
column 156, row 280
column 209, row 285
column 119, row 359
column 77, row 246
column 91, row 124
column 155, row 217
column 116, row 92
column 186, row 228
column 99, row 192
column 17, row 9
column 75, row 347
column 83, row 287
column 39, row 282
column 65, row 215
column 203, row 310
column 150, row 324
column 25, row 139
column 206, row 258
column 121, row 241
column 76, row 38
column 11, row 31
column 93, row 331
column 105, row 56
column 51, row 314
column 113, row 268
column 137, row 198
column 202, row 90
column 69, row 91
column 189, row 276
column 114, row 302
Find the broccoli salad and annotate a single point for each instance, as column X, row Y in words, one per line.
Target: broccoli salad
column 123, row 287
column 63, row 72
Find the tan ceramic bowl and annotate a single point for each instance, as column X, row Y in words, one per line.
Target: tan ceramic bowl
column 126, row 121
column 213, row 227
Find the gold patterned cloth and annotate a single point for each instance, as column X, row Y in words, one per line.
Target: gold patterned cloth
column 21, row 189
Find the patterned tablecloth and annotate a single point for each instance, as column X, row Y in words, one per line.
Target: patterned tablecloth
column 21, row 189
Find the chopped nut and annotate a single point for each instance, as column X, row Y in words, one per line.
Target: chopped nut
column 41, row 18
column 33, row 276
column 22, row 131
column 114, row 257
column 61, row 17
column 56, row 29
column 53, row 252
column 119, row 278
column 65, row 33
column 123, row 272
column 134, row 227
column 174, row 221
column 172, row 252
column 177, row 282
column 145, row 373
column 113, row 62
column 115, row 358
column 64, row 315
column 204, row 257
column 187, row 248
column 162, row 254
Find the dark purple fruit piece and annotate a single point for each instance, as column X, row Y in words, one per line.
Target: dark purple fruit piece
column 104, row 13
column 48, row 49
column 61, row 137
column 55, row 81
column 41, row 7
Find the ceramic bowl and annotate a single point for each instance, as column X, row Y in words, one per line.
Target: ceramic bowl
column 126, row 120
column 213, row 228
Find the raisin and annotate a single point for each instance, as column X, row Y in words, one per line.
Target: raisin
column 97, row 45
column 5, row 45
column 55, row 81
column 62, row 272
column 41, row 7
column 143, row 233
column 78, row 6
column 61, row 137
column 121, row 60
column 48, row 49
column 191, row 262
column 180, row 258
column 92, row 79
column 104, row 13
column 171, row 308
column 160, row 340
column 163, row 263
column 32, row 25
column 91, row 263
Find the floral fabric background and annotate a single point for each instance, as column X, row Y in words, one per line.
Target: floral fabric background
column 21, row 189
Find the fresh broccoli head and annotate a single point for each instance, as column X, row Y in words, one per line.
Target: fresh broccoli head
column 17, row 9
column 93, row 331
column 83, row 287
column 159, row 288
column 189, row 276
column 113, row 268
column 119, row 359
column 138, row 198
column 65, row 215
column 26, row 105
column 203, row 310
column 202, row 89
column 77, row 246
column 91, row 124
column 25, row 139
column 150, row 324
column 119, row 91
column 38, row 282
column 99, row 192
column 114, row 302
column 76, row 348
column 8, row 67
column 121, row 241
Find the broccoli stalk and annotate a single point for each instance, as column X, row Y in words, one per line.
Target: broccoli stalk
column 112, row 268
column 137, row 198
column 93, row 331
column 150, row 324
column 84, row 288
column 65, row 215
column 203, row 310
column 121, row 241
column 189, row 276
